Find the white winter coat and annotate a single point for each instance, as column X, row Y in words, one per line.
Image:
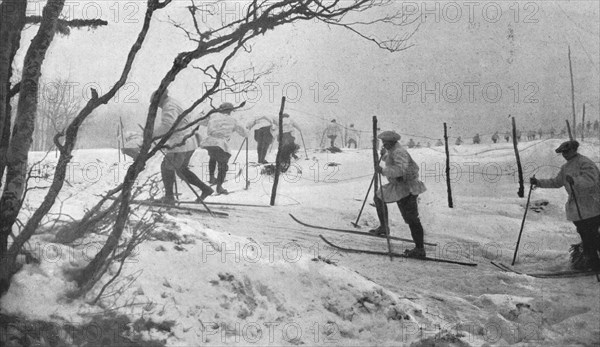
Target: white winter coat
column 402, row 173
column 586, row 177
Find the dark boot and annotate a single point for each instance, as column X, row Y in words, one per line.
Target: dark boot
column 191, row 178
column 416, row 253
column 379, row 231
column 416, row 231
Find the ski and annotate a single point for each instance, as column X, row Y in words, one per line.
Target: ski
column 154, row 203
column 349, row 231
column 222, row 203
column 397, row 255
column 190, row 202
column 554, row 274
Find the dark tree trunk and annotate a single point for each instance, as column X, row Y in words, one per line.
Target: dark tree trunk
column 21, row 138
column 11, row 24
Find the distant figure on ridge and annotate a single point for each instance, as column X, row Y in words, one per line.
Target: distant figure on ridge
column 332, row 131
column 495, row 137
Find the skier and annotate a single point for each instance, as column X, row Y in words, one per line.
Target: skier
column 133, row 142
column 459, row 141
column 439, row 143
column 332, row 130
column 403, row 188
column 353, row 136
column 507, row 136
column 476, row 139
column 181, row 147
column 552, row 131
column 581, row 179
column 221, row 126
column 411, row 143
column 288, row 141
column 495, row 137
column 263, row 135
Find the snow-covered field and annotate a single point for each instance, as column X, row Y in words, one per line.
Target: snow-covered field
column 258, row 278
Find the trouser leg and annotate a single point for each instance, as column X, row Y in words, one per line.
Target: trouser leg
column 382, row 212
column 590, row 239
column 259, row 144
column 168, row 177
column 223, row 167
column 212, row 166
column 410, row 213
column 188, row 175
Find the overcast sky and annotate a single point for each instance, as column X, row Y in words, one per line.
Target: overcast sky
column 475, row 49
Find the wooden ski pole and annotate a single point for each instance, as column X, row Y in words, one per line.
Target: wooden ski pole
column 522, row 224
column 303, row 144
column 575, row 199
column 377, row 179
column 239, row 150
column 365, row 200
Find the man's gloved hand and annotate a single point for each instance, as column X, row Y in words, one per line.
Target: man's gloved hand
column 569, row 179
column 533, row 181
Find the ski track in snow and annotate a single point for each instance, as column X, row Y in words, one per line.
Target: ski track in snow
column 259, row 278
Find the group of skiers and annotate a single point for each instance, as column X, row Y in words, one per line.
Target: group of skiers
column 220, row 127
column 579, row 176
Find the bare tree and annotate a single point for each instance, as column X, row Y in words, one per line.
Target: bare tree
column 57, row 107
column 218, row 46
column 222, row 44
column 21, row 136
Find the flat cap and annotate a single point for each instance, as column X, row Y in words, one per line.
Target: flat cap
column 389, row 135
column 567, row 146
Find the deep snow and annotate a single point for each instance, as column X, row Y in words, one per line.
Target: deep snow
column 259, row 278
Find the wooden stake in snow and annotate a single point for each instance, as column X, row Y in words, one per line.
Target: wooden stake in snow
column 583, row 123
column 569, row 130
column 377, row 181
column 521, row 191
column 572, row 92
column 449, row 188
column 247, row 182
column 118, row 145
column 122, row 136
column 278, row 157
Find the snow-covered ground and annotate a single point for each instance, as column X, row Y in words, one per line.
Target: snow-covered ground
column 259, row 278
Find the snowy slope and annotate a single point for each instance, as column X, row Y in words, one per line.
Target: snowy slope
column 259, row 278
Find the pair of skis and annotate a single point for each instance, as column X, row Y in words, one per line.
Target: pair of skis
column 365, row 251
column 179, row 205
